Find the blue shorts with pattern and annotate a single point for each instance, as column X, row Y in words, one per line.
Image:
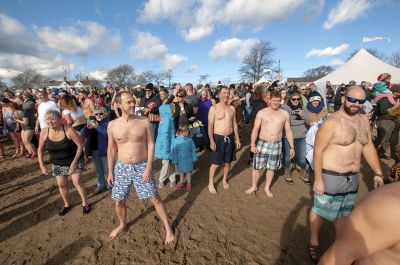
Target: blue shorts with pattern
column 268, row 156
column 126, row 175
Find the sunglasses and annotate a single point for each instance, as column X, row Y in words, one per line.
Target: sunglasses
column 180, row 96
column 354, row 100
column 295, row 99
column 99, row 114
column 148, row 90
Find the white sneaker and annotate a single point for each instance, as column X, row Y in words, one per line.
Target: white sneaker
column 172, row 184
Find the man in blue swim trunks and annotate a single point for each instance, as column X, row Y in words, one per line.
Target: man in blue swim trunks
column 224, row 138
column 340, row 141
column 131, row 137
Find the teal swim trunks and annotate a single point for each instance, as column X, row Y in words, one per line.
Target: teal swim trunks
column 339, row 195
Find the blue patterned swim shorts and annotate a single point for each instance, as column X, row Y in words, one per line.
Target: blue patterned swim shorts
column 127, row 174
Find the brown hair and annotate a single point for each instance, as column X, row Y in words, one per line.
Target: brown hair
column 67, row 102
column 182, row 92
column 275, row 94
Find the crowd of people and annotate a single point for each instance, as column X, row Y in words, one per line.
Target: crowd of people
column 320, row 130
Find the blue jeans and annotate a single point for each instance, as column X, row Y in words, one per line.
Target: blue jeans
column 100, row 163
column 247, row 114
column 154, row 126
column 300, row 150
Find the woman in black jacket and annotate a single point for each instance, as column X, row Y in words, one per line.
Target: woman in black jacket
column 182, row 112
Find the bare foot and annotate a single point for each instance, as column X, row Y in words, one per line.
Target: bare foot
column 212, row 189
column 269, row 194
column 225, row 184
column 116, row 232
column 250, row 191
column 169, row 239
column 15, row 155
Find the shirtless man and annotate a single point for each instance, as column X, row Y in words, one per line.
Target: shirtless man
column 135, row 149
column 224, row 135
column 268, row 151
column 371, row 233
column 87, row 104
column 339, row 143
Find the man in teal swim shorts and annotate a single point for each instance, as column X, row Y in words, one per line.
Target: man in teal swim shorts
column 340, row 141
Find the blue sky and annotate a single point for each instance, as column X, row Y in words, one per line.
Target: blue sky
column 191, row 37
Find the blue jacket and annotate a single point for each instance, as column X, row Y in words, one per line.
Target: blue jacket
column 102, row 137
column 183, row 153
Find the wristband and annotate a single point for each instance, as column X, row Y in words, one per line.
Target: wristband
column 378, row 175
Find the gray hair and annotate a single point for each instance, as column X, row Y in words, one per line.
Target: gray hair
column 101, row 109
column 53, row 113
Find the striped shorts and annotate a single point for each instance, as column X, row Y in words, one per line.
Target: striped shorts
column 126, row 175
column 268, row 156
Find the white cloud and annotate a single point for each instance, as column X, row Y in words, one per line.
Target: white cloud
column 233, row 47
column 336, row 62
column 192, row 69
column 347, row 11
column 197, row 19
column 147, row 47
column 151, row 47
column 327, row 52
column 80, row 38
column 99, row 75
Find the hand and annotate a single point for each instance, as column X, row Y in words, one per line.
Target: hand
column 378, row 182
column 92, row 125
column 253, row 149
column 299, row 112
column 319, row 187
column 147, row 174
column 238, row 145
column 72, row 168
column 110, row 180
column 292, row 153
column 192, row 119
column 213, row 146
column 44, row 171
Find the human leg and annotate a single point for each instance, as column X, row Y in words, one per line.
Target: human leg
column 62, row 183
column 286, row 161
column 189, row 181
column 225, row 183
column 27, row 140
column 120, row 207
column 104, row 164
column 21, row 146
column 269, row 176
column 101, row 183
column 211, row 188
column 78, row 183
column 162, row 213
column 14, row 139
column 315, row 226
column 164, row 173
column 300, row 149
column 255, row 176
column 385, row 130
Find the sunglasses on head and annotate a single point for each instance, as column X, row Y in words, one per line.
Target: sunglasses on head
column 354, row 100
column 295, row 99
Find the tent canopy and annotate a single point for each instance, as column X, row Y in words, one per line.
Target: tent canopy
column 363, row 66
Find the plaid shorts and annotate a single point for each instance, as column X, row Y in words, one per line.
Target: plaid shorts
column 268, row 156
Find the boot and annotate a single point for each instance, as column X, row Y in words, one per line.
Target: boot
column 288, row 175
column 304, row 176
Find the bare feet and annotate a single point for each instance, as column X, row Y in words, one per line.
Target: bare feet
column 269, row 194
column 250, row 191
column 169, row 239
column 225, row 184
column 116, row 232
column 212, row 189
column 16, row 154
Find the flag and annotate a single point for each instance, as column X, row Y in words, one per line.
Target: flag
column 368, row 39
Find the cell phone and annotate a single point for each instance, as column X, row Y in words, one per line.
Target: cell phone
column 92, row 118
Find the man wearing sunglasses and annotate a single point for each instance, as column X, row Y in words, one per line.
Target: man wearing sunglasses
column 341, row 140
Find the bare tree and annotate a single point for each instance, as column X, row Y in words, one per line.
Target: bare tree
column 394, row 59
column 258, row 60
column 318, row 72
column 28, row 79
column 157, row 79
column 203, row 78
column 123, row 75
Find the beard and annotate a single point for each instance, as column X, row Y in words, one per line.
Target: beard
column 350, row 111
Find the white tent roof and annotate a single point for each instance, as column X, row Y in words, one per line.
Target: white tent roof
column 363, row 66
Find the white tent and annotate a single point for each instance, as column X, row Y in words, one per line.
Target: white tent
column 363, row 66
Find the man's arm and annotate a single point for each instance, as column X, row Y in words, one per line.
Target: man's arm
column 365, row 231
column 91, row 105
column 254, row 132
column 235, row 128
column 322, row 140
column 369, row 153
column 211, row 117
column 111, row 153
column 150, row 151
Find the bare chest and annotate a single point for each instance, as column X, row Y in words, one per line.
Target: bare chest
column 350, row 132
column 128, row 133
column 223, row 114
column 273, row 119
